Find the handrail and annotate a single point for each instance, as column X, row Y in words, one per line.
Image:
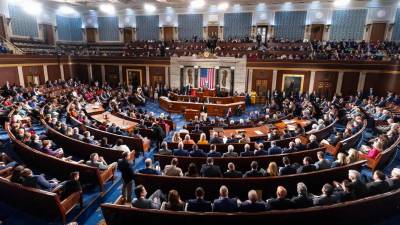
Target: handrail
column 12, row 47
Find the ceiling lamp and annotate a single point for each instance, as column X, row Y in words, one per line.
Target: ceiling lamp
column 149, row 7
column 338, row 3
column 197, row 4
column 66, row 10
column 223, row 6
column 107, row 8
column 31, row 7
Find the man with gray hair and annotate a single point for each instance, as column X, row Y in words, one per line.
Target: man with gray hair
column 247, row 152
column 224, row 203
column 230, row 152
column 302, row 200
column 252, row 204
column 357, row 186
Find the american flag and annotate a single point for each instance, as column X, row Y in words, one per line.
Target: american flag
column 207, row 78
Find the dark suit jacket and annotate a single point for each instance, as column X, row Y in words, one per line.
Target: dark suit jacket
column 276, row 150
column 302, row 201
column 279, row 204
column 180, row 152
column 377, row 187
column 216, row 140
column 312, row 145
column 325, row 200
column 300, row 147
column 287, row 170
column 359, row 189
column 126, row 168
column 199, row 205
column 260, row 152
column 247, row 154
column 233, row 174
column 253, row 173
column 225, row 205
column 197, row 153
column 149, row 171
column 210, row 171
column 248, row 206
column 306, row 169
column 214, row 154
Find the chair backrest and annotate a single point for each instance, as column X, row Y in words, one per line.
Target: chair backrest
column 350, row 142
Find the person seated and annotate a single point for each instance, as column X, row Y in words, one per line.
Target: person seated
column 187, row 140
column 353, row 156
column 252, row 204
column 197, row 130
column 280, row 202
column 290, row 149
column 343, row 192
column 274, row 135
column 287, row 169
column 88, row 138
column 213, row 152
column 141, row 202
column 6, row 162
column 209, row 169
column 224, row 203
column 97, row 161
column 196, row 152
column 72, row 185
column 394, row 181
column 230, row 152
column 164, row 149
column 174, row 202
column 47, row 149
column 203, row 139
column 16, row 175
column 247, row 152
column 76, row 134
column 119, row 145
column 148, row 163
column 199, row 204
column 176, row 137
column 104, row 143
column 322, row 163
column 378, row 185
column 374, row 151
column 274, row 149
column 232, row 139
column 307, row 166
column 37, row 181
column 259, row 150
column 232, row 172
column 136, row 134
column 173, row 169
column 272, row 170
column 215, row 139
column 254, row 172
column 327, row 197
column 244, row 139
column 340, row 161
column 298, row 145
column 180, row 151
column 313, row 142
column 303, row 199
column 192, row 171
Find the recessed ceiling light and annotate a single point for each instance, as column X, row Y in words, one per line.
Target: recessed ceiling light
column 341, row 2
column 223, row 6
column 197, row 4
column 107, row 8
column 149, row 7
column 66, row 10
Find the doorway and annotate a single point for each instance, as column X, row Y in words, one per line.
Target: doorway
column 378, row 32
column 212, row 31
column 317, row 32
column 133, row 77
column 168, row 34
column 263, row 30
column 325, row 89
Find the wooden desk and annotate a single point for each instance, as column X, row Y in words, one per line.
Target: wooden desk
column 93, row 109
column 216, row 100
column 122, row 123
column 212, row 109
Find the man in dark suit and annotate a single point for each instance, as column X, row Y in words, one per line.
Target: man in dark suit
column 302, row 200
column 210, row 170
column 126, row 167
column 252, row 205
column 280, row 202
column 313, row 142
column 307, row 166
column 274, row 149
column 197, row 129
column 378, row 185
column 215, row 139
column 290, row 149
column 149, row 168
column 298, row 145
column 213, row 152
column 196, row 152
column 254, row 172
column 224, row 203
column 232, row 172
column 260, row 151
column 287, row 169
column 37, row 181
column 247, row 152
column 180, row 151
column 327, row 197
column 72, row 185
column 357, row 186
column 199, row 204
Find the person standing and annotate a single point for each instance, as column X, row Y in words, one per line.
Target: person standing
column 126, row 167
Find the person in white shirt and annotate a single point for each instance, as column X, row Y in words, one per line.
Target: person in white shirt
column 121, row 146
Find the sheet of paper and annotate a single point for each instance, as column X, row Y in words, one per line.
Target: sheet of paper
column 258, row 132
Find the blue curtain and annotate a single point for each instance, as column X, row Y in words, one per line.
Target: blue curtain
column 190, row 25
column 147, row 27
column 290, row 25
column 108, row 28
column 348, row 24
column 22, row 24
column 396, row 27
column 69, row 29
column 237, row 25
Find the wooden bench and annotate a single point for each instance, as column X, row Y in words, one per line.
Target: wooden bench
column 58, row 167
column 43, row 204
column 240, row 186
column 361, row 211
column 241, row 163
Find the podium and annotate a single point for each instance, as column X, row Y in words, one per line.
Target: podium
column 191, row 113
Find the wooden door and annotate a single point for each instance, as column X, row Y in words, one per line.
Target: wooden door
column 91, row 35
column 168, row 33
column 212, row 31
column 317, row 32
column 48, row 34
column 325, row 89
column 134, row 78
column 128, row 35
column 377, row 32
